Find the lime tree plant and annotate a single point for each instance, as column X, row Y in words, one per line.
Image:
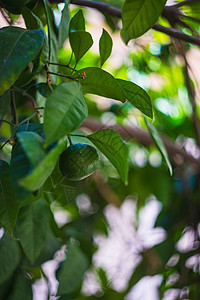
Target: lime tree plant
column 52, row 150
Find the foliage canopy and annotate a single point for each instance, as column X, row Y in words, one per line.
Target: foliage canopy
column 141, row 117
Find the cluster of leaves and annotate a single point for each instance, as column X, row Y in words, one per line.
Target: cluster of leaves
column 41, row 108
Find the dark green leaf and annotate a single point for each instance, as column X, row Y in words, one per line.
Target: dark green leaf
column 20, row 166
column 159, row 143
column 52, row 38
column 31, row 228
column 33, row 22
column 100, row 82
column 10, row 256
column 77, row 22
column 58, row 188
column 139, row 16
column 21, row 288
column 105, row 46
column 33, row 146
column 64, row 25
column 72, row 270
column 65, row 110
column 137, row 96
column 39, row 175
column 12, row 58
column 8, row 203
column 44, row 89
column 5, row 103
column 110, row 143
column 81, row 42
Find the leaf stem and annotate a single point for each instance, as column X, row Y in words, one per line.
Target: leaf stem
column 13, row 107
column 5, row 121
column 66, row 76
column 62, row 65
column 70, row 140
column 24, row 93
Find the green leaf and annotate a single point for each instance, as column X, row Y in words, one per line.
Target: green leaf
column 52, row 38
column 58, row 188
column 77, row 22
column 32, row 144
column 21, row 288
column 65, row 110
column 10, row 256
column 31, row 228
column 72, row 270
column 110, row 143
column 137, row 96
column 12, row 58
column 39, row 175
column 100, row 82
column 5, row 103
column 33, row 22
column 139, row 16
column 64, row 25
column 105, row 46
column 20, row 166
column 8, row 203
column 81, row 42
column 159, row 143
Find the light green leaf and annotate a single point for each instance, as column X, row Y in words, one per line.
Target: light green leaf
column 32, row 144
column 77, row 22
column 64, row 25
column 110, row 143
column 139, row 16
column 12, row 58
column 100, row 82
column 39, row 175
column 137, row 96
column 10, row 256
column 159, row 143
column 65, row 110
column 81, row 42
column 72, row 271
column 8, row 203
column 105, row 46
column 31, row 228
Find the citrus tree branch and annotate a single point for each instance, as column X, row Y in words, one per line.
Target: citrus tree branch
column 116, row 12
column 143, row 137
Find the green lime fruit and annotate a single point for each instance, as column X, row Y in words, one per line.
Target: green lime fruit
column 14, row 6
column 79, row 161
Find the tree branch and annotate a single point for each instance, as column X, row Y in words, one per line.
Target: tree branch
column 115, row 12
column 143, row 137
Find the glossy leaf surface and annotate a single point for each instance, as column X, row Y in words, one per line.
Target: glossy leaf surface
column 100, row 82
column 12, row 58
column 31, row 228
column 65, row 111
column 72, row 271
column 105, row 46
column 137, row 96
column 110, row 143
column 139, row 16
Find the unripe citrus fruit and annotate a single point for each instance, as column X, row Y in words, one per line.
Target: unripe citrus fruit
column 79, row 161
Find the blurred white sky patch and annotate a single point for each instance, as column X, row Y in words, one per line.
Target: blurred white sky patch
column 119, row 252
column 146, row 288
